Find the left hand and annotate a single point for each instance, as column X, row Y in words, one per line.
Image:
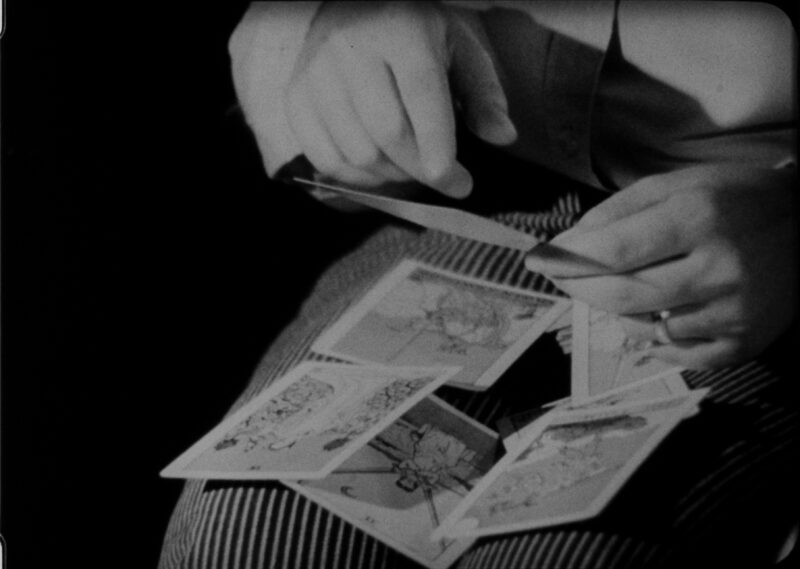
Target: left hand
column 716, row 245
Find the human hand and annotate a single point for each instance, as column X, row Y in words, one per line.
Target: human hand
column 370, row 102
column 716, row 245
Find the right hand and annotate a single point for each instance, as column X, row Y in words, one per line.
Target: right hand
column 369, row 101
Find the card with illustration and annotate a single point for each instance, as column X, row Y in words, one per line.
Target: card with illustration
column 419, row 315
column 567, row 468
column 513, row 428
column 604, row 358
column 400, row 485
column 308, row 422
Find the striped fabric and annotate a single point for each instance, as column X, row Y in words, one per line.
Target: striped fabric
column 716, row 489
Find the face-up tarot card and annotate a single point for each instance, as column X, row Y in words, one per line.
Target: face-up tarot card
column 419, row 315
column 513, row 428
column 400, row 485
column 604, row 358
column 308, row 422
column 567, row 468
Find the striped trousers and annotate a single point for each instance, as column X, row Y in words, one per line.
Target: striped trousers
column 720, row 489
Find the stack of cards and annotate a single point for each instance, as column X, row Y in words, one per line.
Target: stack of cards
column 369, row 441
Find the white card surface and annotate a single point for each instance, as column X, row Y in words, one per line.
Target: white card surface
column 651, row 389
column 567, row 468
column 308, row 422
column 405, row 480
column 420, row 315
column 604, row 358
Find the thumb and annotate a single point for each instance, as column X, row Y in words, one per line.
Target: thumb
column 635, row 198
column 476, row 84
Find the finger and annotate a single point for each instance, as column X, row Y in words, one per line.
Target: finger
column 336, row 111
column 424, row 90
column 656, row 234
column 659, row 287
column 701, row 354
column 345, row 88
column 702, row 321
column 310, row 133
column 378, row 105
column 637, row 197
column 335, row 106
column 316, row 142
column 478, row 88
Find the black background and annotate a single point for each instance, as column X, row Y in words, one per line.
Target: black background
column 147, row 263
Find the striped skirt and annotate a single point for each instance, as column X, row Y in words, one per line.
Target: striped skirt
column 720, row 489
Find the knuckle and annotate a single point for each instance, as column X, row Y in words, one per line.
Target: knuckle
column 731, row 269
column 365, row 157
column 621, row 251
column 620, row 298
column 744, row 346
column 737, row 350
column 683, row 292
column 390, row 128
column 326, row 165
column 699, row 208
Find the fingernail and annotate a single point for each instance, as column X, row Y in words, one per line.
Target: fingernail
column 459, row 183
column 498, row 128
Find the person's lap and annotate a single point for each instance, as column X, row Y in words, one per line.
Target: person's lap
column 716, row 489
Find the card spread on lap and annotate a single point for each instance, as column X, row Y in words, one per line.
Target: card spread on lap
column 566, row 468
column 428, row 316
column 604, row 358
column 370, row 442
column 308, row 422
column 400, row 485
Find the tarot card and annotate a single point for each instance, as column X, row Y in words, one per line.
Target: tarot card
column 419, row 315
column 400, row 485
column 513, row 428
column 604, row 358
column 568, row 468
column 308, row 422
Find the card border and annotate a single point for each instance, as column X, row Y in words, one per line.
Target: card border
column 332, row 505
column 674, row 382
column 579, row 382
column 178, row 467
column 598, row 503
column 323, row 344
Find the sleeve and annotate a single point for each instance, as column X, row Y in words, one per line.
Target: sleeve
column 686, row 84
column 607, row 92
column 550, row 58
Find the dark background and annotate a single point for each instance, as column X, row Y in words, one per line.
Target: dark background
column 147, row 263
